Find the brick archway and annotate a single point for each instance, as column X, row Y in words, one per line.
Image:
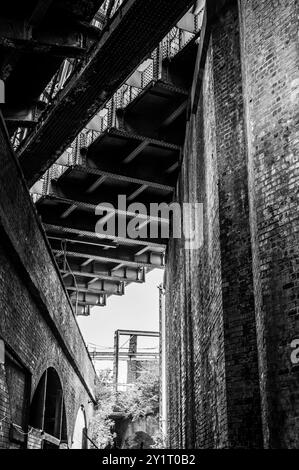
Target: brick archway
column 47, row 412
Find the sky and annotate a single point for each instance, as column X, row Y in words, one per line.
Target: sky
column 138, row 309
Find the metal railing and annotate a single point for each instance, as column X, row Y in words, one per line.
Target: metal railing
column 149, row 71
column 65, row 72
column 109, row 8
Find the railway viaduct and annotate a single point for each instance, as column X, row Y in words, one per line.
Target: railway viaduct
column 183, row 101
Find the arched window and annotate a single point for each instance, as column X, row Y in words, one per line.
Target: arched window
column 47, row 411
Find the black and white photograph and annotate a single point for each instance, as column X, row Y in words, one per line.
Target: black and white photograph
column 149, row 230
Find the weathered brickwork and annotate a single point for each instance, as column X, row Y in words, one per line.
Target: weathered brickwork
column 240, row 345
column 205, row 264
column 271, row 80
column 34, row 439
column 240, row 290
column 4, row 409
column 36, row 321
column 174, row 341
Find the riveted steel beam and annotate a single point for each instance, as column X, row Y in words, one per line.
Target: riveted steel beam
column 125, row 257
column 102, row 271
column 134, row 31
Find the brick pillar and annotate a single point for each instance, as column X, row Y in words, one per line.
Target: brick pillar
column 132, row 363
column 271, row 91
column 210, row 291
column 174, row 346
column 240, row 342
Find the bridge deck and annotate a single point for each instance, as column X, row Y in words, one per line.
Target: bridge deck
column 135, row 30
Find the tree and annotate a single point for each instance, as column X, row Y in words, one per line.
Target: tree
column 142, row 397
column 139, row 400
column 101, row 424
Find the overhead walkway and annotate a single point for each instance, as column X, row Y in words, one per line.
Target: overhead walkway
column 133, row 32
column 130, row 148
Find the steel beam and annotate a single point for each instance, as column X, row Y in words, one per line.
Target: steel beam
column 124, row 257
column 134, row 31
column 96, row 184
column 103, row 286
column 68, row 211
column 138, row 191
column 74, row 234
column 73, row 237
column 136, row 152
column 123, row 355
column 174, row 115
column 88, row 303
column 52, row 48
column 94, row 291
column 93, row 207
column 155, row 334
column 101, row 175
column 102, row 271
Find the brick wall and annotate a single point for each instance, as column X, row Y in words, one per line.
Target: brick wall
column 271, row 84
column 232, row 306
column 240, row 343
column 36, row 322
column 34, row 439
column 4, row 409
column 175, row 336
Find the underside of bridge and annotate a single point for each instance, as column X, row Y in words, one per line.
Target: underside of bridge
column 117, row 114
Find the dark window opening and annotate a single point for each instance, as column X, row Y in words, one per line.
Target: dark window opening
column 47, row 408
